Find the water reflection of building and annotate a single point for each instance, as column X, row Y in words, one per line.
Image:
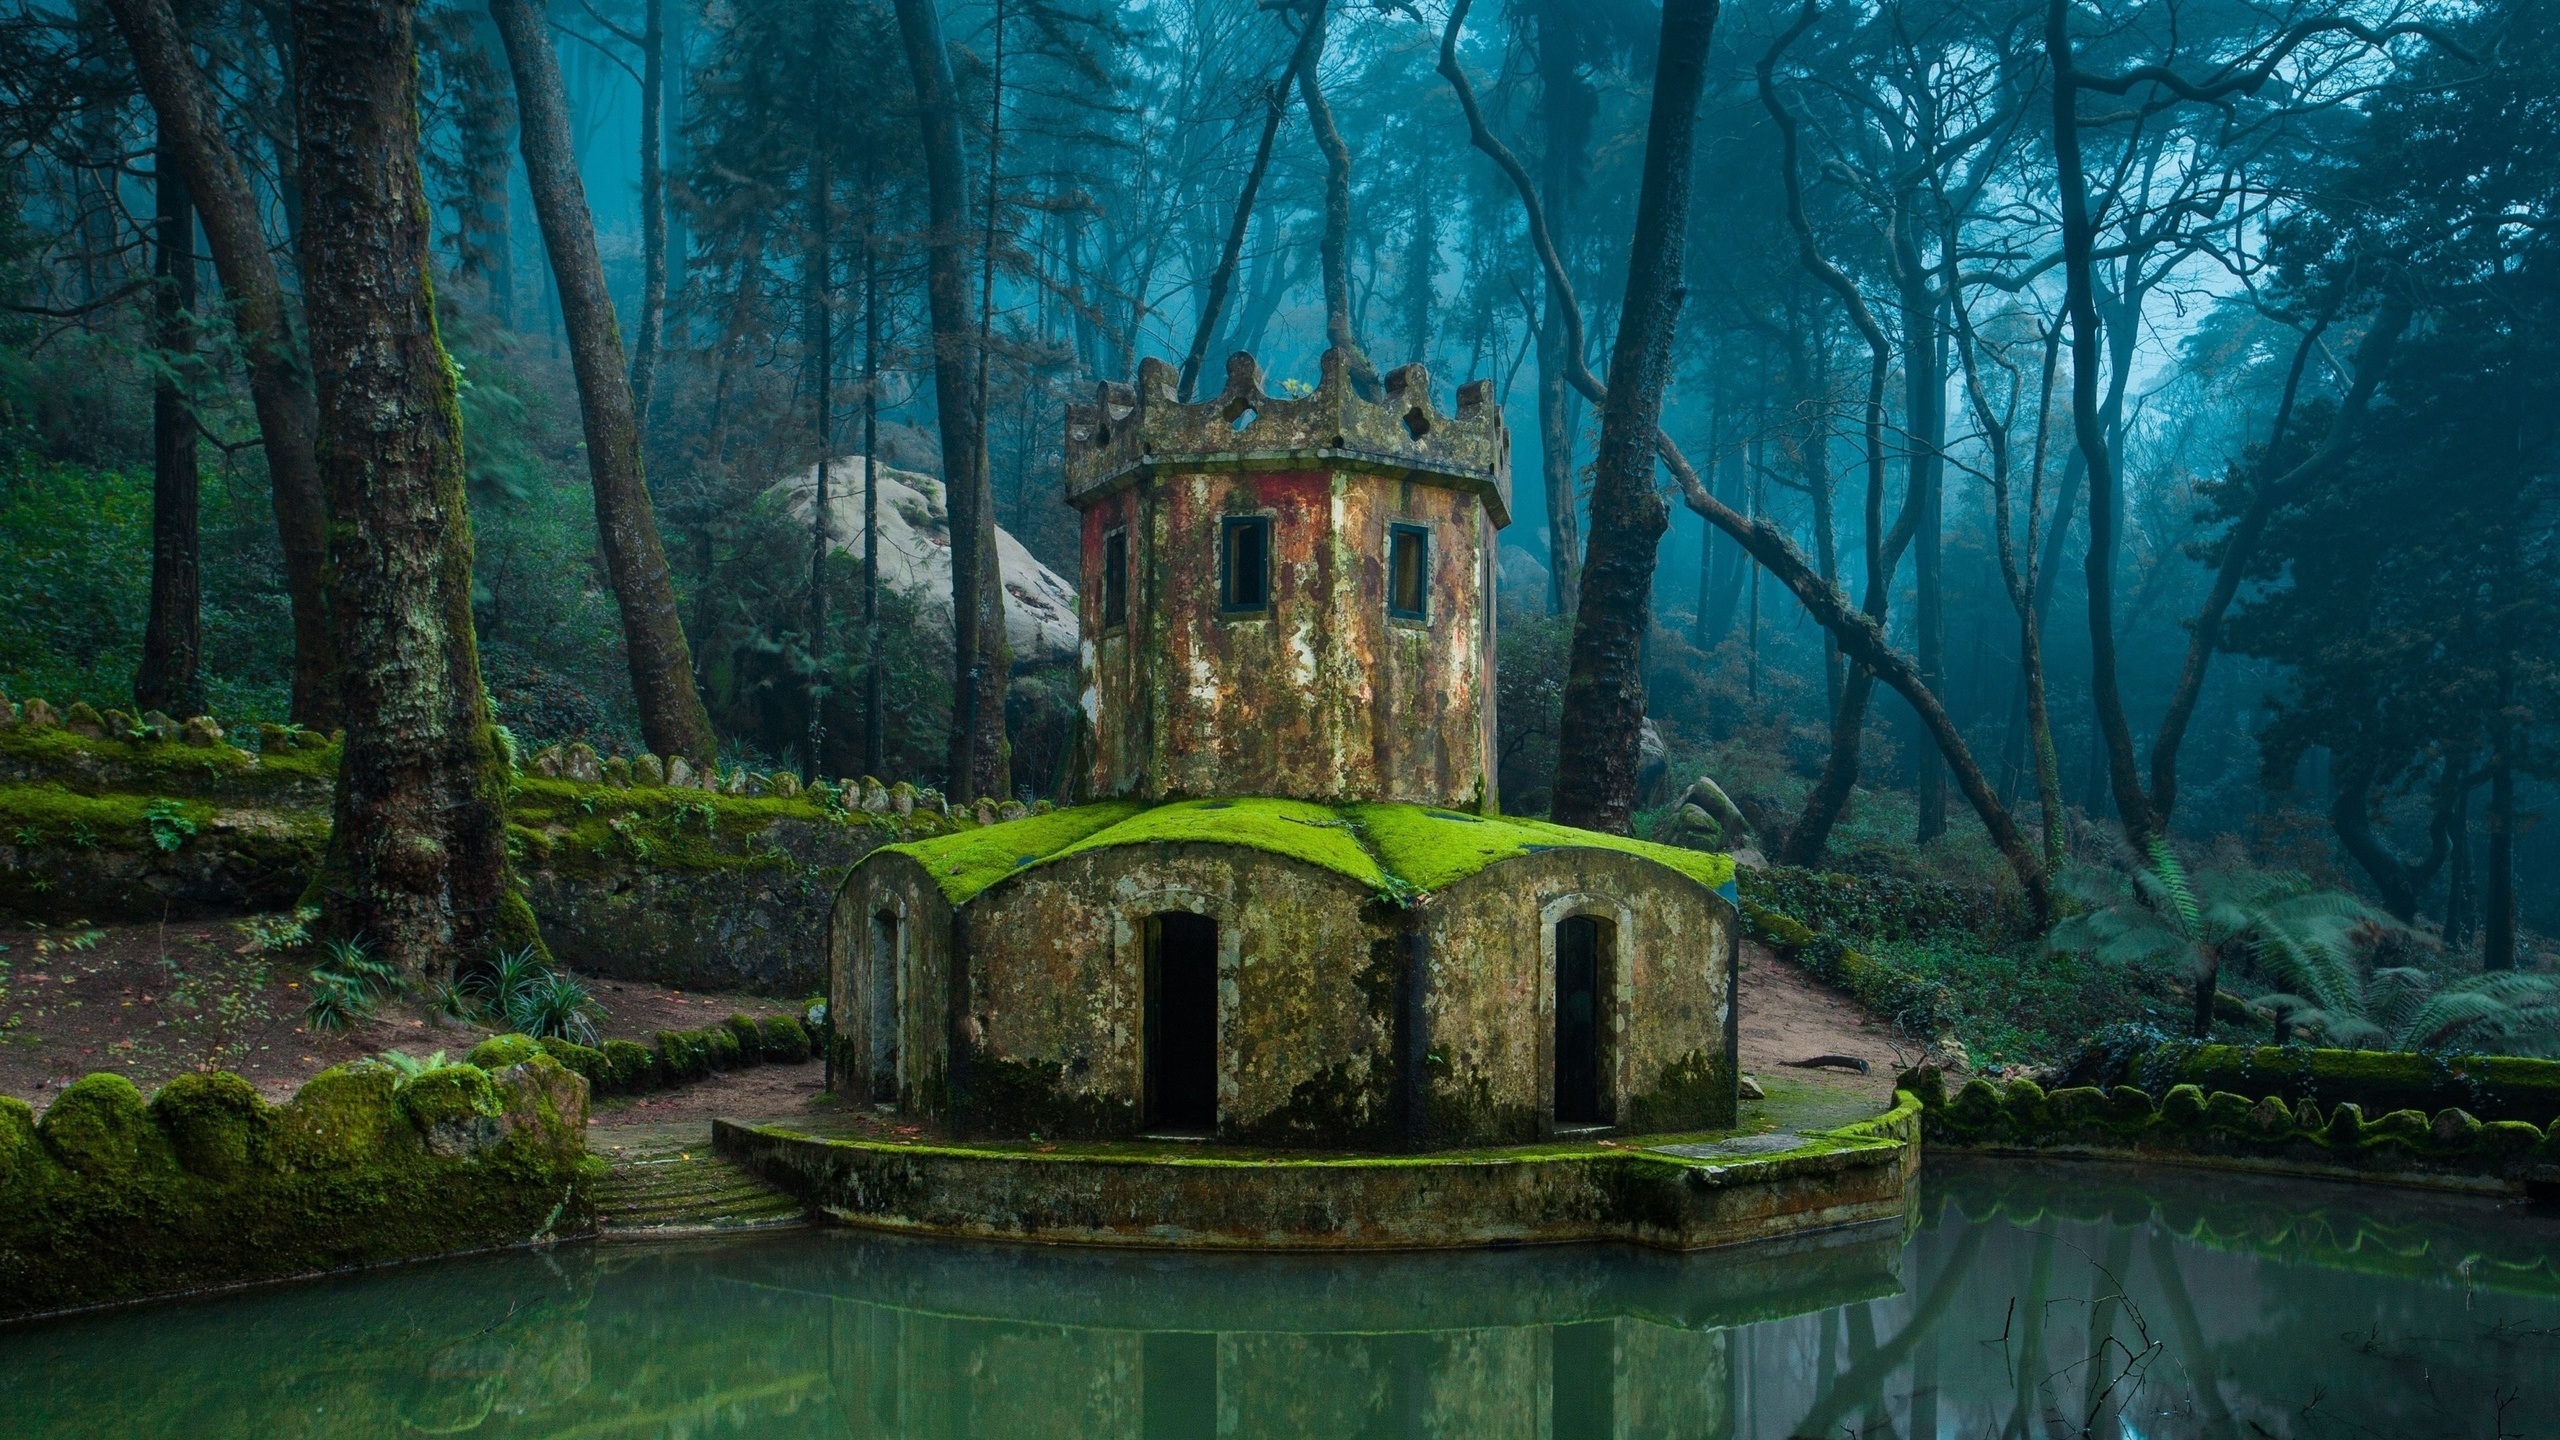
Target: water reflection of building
column 1555, row 1344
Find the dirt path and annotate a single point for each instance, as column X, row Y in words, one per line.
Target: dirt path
column 154, row 1001
column 1787, row 1016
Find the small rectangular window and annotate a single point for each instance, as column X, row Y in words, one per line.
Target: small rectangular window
column 1115, row 579
column 1244, row 563
column 1409, row 572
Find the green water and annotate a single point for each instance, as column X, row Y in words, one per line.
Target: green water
column 2021, row 1301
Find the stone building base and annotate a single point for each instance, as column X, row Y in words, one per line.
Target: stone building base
column 1665, row 1194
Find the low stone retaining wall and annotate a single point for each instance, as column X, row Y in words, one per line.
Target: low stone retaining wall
column 2452, row 1149
column 701, row 882
column 109, row 1198
column 1673, row 1196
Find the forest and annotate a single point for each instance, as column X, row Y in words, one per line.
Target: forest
column 2100, row 458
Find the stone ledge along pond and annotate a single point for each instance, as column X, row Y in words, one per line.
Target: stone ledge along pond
column 2020, row 1300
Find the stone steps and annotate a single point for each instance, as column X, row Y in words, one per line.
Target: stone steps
column 664, row 1190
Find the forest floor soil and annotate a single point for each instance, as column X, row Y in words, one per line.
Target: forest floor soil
column 1787, row 1016
column 152, row 1002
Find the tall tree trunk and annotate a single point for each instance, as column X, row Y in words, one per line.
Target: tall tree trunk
column 819, row 328
column 672, row 718
column 421, row 807
column 2457, row 885
column 1925, row 420
column 1421, row 264
column 1334, row 251
column 1829, row 798
column 874, row 707
column 1565, row 106
column 2240, row 546
column 2498, row 920
column 1223, row 279
column 980, row 764
column 171, row 675
column 1597, row 742
column 2079, row 244
column 653, row 209
column 191, row 130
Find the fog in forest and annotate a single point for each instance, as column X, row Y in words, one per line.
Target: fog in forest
column 2098, row 452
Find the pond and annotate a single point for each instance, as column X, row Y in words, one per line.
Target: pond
column 2023, row 1300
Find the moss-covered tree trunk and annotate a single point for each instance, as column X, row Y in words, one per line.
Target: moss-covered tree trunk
column 420, row 864
column 190, row 130
column 672, row 717
column 171, row 676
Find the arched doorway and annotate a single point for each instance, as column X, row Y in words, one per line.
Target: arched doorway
column 1583, row 965
column 1181, row 1037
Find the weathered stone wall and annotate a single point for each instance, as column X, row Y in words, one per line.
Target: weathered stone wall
column 1667, row 1198
column 1057, row 982
column 1323, row 1037
column 697, row 881
column 1491, row 1001
column 920, row 971
column 109, row 1198
column 1323, row 695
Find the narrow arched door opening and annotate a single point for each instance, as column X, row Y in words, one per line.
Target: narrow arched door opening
column 1582, row 973
column 1181, row 1037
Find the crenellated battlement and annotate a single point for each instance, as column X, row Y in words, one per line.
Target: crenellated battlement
column 1128, row 432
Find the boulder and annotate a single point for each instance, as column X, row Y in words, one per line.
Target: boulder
column 617, row 773
column 83, row 719
column 679, row 772
column 648, row 770
column 546, row 762
column 164, row 728
column 875, row 797
column 915, row 555
column 37, row 715
column 580, row 764
column 201, row 732
column 783, row 783
column 902, row 799
column 122, row 726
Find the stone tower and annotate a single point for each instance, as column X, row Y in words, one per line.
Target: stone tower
column 1289, row 596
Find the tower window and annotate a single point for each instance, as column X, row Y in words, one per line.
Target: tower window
column 1244, row 563
column 1409, row 572
column 1115, row 579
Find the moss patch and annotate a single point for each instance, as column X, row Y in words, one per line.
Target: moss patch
column 969, row 861
column 109, row 1198
column 1431, row 848
column 1396, row 850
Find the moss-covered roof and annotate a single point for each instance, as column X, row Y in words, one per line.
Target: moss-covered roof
column 1396, row 850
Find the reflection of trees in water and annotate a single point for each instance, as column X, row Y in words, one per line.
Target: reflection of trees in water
column 2029, row 1302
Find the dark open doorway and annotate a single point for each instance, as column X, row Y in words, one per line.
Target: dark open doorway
column 882, row 1003
column 1582, row 955
column 1182, row 1023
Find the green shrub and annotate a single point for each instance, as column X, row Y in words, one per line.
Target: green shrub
column 786, row 1040
column 630, row 1066
column 500, row 1051
column 683, row 1056
column 720, row 1046
column 216, row 1122
column 100, row 1128
column 448, row 1094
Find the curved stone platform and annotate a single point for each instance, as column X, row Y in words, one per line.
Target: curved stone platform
column 1670, row 1194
